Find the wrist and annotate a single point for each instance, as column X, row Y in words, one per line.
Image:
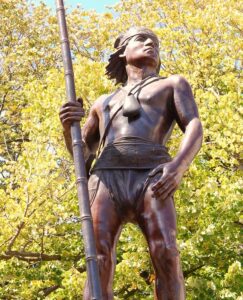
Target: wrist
column 181, row 163
column 66, row 131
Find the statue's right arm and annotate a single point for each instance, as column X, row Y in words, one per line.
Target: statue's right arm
column 73, row 111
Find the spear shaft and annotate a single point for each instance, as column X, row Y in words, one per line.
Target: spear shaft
column 79, row 163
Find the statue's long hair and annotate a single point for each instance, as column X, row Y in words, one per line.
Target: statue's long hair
column 116, row 68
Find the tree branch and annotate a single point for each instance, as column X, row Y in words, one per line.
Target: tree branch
column 47, row 291
column 30, row 256
column 192, row 270
column 15, row 141
column 2, row 104
column 13, row 239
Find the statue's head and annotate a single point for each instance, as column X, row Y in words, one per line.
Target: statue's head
column 127, row 44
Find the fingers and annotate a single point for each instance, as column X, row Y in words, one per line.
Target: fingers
column 71, row 112
column 163, row 194
column 73, row 104
column 165, row 187
column 71, row 117
column 163, row 180
column 81, row 101
column 167, row 194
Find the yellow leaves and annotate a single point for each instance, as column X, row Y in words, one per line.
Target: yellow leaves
column 234, row 273
column 200, row 40
column 108, row 16
column 73, row 282
column 61, row 179
column 209, row 230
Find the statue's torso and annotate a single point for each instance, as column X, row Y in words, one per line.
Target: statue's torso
column 156, row 117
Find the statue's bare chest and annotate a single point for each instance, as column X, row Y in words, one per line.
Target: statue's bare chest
column 152, row 117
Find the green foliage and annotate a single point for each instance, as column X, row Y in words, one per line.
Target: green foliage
column 42, row 254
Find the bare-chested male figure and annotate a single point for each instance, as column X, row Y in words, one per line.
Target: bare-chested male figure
column 134, row 178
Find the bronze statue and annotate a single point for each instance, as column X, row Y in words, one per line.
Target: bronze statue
column 134, row 178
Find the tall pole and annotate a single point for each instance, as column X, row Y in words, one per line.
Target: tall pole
column 79, row 163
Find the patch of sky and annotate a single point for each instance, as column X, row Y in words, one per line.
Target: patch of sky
column 99, row 5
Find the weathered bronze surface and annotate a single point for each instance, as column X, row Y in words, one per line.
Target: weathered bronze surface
column 134, row 178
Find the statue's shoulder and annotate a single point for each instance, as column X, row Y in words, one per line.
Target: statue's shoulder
column 101, row 99
column 176, row 80
column 105, row 98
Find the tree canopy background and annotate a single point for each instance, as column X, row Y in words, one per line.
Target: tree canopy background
column 41, row 252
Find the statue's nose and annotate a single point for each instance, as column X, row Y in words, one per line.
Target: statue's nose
column 149, row 42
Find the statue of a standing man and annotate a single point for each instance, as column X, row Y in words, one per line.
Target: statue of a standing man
column 134, row 178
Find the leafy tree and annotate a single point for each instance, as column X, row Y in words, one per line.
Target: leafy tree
column 42, row 255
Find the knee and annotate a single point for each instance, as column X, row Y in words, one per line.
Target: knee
column 104, row 250
column 164, row 255
column 157, row 250
column 171, row 253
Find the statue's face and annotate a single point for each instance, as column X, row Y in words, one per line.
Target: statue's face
column 142, row 49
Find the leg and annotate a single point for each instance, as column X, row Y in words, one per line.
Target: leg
column 107, row 228
column 158, row 222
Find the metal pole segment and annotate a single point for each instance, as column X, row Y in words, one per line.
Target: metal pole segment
column 79, row 163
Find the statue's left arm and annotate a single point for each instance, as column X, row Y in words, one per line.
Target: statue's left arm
column 188, row 117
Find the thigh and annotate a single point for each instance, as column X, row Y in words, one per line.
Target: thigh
column 157, row 219
column 106, row 221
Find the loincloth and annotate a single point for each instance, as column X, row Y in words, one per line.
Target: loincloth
column 126, row 188
column 132, row 153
